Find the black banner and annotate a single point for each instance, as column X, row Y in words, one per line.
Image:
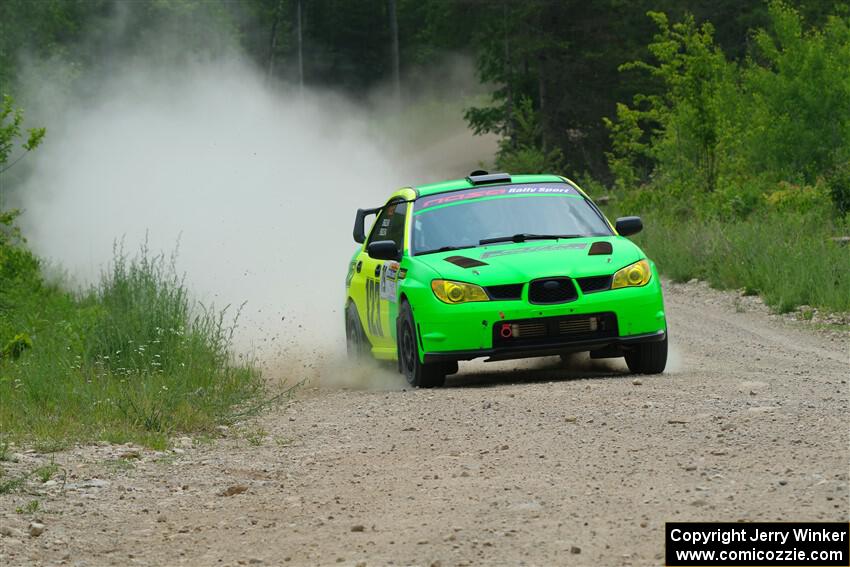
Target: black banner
column 758, row 544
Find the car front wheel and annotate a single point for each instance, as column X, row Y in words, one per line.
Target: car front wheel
column 417, row 373
column 648, row 358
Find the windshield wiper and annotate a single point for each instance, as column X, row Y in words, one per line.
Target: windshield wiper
column 523, row 236
column 445, row 249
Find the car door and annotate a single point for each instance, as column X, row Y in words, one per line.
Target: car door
column 375, row 280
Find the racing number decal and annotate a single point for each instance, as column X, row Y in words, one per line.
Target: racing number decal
column 373, row 307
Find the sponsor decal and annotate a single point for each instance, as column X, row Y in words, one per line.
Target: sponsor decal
column 549, row 248
column 373, row 307
column 389, row 276
column 350, row 274
column 504, row 190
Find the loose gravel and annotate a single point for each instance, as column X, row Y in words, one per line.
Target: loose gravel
column 514, row 463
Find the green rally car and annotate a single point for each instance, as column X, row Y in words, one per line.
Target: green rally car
column 503, row 267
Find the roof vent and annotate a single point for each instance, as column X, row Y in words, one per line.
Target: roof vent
column 481, row 177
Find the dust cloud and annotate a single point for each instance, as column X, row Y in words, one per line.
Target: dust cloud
column 256, row 181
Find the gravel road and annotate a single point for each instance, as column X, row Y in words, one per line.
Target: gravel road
column 512, row 464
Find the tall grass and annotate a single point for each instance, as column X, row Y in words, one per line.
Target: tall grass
column 788, row 259
column 131, row 359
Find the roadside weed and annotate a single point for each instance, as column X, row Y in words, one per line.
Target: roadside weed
column 131, row 359
column 31, row 507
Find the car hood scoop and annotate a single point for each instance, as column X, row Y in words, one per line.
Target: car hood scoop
column 465, row 262
column 600, row 248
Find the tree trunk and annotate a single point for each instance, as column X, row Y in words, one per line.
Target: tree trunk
column 300, row 40
column 508, row 73
column 396, row 60
column 541, row 93
column 541, row 83
column 273, row 40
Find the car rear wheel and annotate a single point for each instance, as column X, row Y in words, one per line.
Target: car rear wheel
column 356, row 343
column 648, row 358
column 416, row 372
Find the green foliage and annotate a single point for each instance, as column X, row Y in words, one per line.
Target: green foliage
column 515, row 47
column 757, row 254
column 563, row 55
column 46, row 472
column 12, row 484
column 31, row 507
column 796, row 93
column 16, row 263
column 525, row 151
column 11, row 119
column 839, row 188
column 132, row 359
column 629, row 147
column 680, row 131
column 15, row 347
column 780, row 115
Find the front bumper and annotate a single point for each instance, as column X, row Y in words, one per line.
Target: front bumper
column 551, row 349
column 466, row 331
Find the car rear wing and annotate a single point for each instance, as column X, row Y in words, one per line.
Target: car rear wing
column 359, row 232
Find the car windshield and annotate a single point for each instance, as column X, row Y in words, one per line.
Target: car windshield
column 506, row 213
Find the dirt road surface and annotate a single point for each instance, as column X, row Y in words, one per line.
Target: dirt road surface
column 512, row 464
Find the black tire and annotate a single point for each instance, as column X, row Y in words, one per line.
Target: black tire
column 417, row 374
column 648, row 358
column 356, row 343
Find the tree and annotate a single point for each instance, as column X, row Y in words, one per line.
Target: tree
column 525, row 151
column 681, row 128
column 11, row 120
column 514, row 45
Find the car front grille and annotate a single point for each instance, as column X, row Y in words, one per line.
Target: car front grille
column 501, row 292
column 594, row 283
column 530, row 329
column 577, row 326
column 554, row 330
column 547, row 291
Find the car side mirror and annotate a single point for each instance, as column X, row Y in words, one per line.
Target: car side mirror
column 627, row 226
column 359, row 232
column 383, row 250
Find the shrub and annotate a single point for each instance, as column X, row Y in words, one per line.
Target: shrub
column 758, row 254
column 16, row 347
column 780, row 115
column 133, row 358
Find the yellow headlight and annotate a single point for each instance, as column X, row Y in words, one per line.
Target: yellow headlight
column 636, row 274
column 458, row 292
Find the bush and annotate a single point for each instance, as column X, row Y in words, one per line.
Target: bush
column 787, row 258
column 133, row 358
column 780, row 115
column 839, row 189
